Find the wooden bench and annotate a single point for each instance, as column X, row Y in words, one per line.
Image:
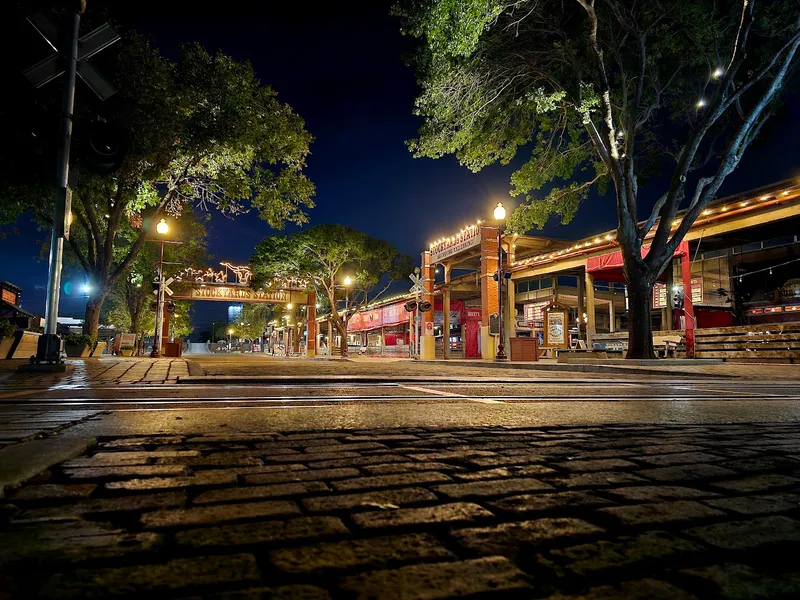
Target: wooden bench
column 665, row 345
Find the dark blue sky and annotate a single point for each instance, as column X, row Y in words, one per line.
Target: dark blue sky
column 342, row 70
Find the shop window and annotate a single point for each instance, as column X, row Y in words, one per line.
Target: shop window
column 568, row 280
column 546, row 282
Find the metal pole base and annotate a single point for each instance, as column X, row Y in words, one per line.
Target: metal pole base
column 155, row 354
column 501, row 354
column 48, row 349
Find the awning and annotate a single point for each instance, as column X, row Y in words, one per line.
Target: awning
column 608, row 267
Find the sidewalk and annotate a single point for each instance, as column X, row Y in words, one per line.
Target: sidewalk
column 98, row 371
column 670, row 512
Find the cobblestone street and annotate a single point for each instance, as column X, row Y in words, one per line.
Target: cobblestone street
column 668, row 512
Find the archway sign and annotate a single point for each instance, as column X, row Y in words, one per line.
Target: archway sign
column 231, row 283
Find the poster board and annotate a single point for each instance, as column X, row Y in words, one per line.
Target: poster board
column 555, row 327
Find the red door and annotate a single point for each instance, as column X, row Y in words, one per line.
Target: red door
column 472, row 329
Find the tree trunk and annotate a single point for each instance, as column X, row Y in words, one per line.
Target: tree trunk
column 343, row 334
column 91, row 323
column 640, row 328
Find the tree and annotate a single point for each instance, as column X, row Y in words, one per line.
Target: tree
column 201, row 131
column 324, row 256
column 130, row 296
column 604, row 92
column 253, row 321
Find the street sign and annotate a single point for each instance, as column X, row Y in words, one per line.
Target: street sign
column 90, row 44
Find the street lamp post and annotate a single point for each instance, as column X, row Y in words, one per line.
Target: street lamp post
column 230, row 339
column 347, row 283
column 162, row 229
column 499, row 216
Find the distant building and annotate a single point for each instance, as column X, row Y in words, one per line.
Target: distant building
column 235, row 312
column 10, row 299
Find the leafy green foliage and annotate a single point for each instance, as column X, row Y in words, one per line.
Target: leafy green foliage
column 324, row 256
column 600, row 92
column 7, row 330
column 130, row 296
column 253, row 321
column 200, row 131
column 80, row 339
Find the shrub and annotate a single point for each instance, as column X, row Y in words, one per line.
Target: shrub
column 79, row 339
column 127, row 347
column 6, row 328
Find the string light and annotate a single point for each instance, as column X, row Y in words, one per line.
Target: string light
column 718, row 72
column 701, row 103
column 783, row 264
column 706, row 212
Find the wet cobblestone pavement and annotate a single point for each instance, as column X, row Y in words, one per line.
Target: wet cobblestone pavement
column 669, row 512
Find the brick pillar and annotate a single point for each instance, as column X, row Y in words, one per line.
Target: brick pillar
column 446, row 313
column 488, row 288
column 686, row 277
column 427, row 340
column 311, row 325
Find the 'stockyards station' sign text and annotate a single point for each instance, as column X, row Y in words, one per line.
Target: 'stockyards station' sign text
column 235, row 293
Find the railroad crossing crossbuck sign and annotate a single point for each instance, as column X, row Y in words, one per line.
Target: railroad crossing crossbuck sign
column 419, row 284
column 167, row 289
column 90, row 44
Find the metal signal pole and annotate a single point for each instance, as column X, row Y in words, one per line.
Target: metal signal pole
column 49, row 349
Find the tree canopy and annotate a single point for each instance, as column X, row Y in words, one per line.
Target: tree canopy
column 200, row 131
column 130, row 296
column 599, row 93
column 323, row 256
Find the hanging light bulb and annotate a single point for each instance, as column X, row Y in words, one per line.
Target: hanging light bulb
column 718, row 72
column 701, row 103
column 770, row 270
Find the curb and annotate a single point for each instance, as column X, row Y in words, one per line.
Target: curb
column 605, row 369
column 20, row 462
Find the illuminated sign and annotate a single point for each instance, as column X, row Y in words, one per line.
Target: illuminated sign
column 534, row 313
column 9, row 296
column 463, row 240
column 227, row 293
column 660, row 293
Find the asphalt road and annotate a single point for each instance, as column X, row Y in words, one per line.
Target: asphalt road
column 177, row 408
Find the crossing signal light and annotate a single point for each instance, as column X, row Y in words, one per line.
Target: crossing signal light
column 424, row 306
column 411, row 305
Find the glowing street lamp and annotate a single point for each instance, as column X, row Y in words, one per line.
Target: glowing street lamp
column 162, row 228
column 348, row 281
column 230, row 334
column 499, row 216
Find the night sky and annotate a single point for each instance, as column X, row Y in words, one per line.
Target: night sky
column 341, row 68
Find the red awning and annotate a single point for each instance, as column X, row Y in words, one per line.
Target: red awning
column 608, row 267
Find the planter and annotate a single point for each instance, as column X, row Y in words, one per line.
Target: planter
column 126, row 352
column 5, row 346
column 77, row 351
column 99, row 349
